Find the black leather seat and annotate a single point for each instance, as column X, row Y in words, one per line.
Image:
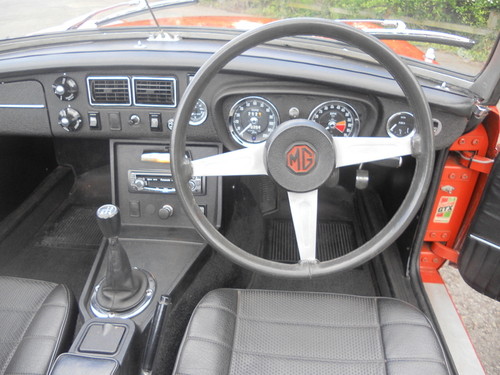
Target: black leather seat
column 273, row 332
column 36, row 321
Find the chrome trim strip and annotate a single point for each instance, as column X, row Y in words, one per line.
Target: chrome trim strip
column 173, row 79
column 30, row 106
column 483, row 241
column 109, row 104
column 457, row 340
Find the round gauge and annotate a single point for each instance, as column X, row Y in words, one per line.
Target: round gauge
column 252, row 119
column 339, row 118
column 401, row 124
column 199, row 114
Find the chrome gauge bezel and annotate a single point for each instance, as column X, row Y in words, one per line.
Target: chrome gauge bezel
column 235, row 135
column 354, row 114
column 201, row 120
column 388, row 125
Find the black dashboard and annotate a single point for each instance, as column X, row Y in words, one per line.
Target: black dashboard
column 124, row 93
column 73, row 91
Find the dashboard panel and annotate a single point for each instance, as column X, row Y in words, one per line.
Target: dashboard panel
column 83, row 96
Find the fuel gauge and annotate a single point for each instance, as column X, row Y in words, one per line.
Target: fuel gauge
column 199, row 114
column 400, row 125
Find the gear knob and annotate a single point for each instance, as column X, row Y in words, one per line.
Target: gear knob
column 108, row 218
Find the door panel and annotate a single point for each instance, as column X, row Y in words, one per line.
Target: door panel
column 479, row 260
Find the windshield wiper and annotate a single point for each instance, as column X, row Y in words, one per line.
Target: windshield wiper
column 135, row 7
column 399, row 31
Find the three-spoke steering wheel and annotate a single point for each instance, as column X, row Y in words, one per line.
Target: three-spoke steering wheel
column 301, row 155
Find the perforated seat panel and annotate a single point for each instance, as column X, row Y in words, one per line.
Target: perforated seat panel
column 35, row 321
column 276, row 332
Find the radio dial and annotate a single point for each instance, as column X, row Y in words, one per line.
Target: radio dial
column 139, row 184
column 192, row 185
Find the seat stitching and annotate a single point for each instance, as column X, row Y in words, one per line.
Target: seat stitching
column 203, row 339
column 213, row 307
column 381, row 337
column 64, row 324
column 301, row 358
column 405, row 323
column 234, row 331
column 14, row 350
column 18, row 310
column 417, row 359
column 270, row 321
column 34, row 337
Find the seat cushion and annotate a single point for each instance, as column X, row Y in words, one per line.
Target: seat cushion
column 36, row 320
column 276, row 332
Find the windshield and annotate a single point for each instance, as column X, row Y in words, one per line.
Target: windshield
column 418, row 25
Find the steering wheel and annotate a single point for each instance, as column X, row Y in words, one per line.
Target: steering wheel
column 300, row 155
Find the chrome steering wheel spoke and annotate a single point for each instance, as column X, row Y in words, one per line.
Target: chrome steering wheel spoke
column 358, row 150
column 304, row 207
column 245, row 162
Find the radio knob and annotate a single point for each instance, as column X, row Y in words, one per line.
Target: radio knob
column 165, row 212
column 69, row 119
column 139, row 184
column 192, row 185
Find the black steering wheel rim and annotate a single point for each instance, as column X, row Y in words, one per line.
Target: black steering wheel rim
column 423, row 145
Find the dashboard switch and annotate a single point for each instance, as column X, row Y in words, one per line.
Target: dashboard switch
column 94, row 121
column 155, row 122
column 135, row 208
column 114, row 121
column 134, row 120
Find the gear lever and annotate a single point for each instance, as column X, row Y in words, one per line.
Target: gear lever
column 123, row 288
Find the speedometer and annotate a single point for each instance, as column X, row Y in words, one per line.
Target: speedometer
column 339, row 118
column 252, row 119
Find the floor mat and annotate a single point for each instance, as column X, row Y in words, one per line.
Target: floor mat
column 75, row 227
column 334, row 239
column 61, row 251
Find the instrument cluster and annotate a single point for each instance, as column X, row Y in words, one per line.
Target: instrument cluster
column 252, row 119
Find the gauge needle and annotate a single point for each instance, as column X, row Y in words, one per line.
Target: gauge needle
column 393, row 127
column 244, row 130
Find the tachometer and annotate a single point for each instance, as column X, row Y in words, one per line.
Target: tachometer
column 252, row 119
column 339, row 118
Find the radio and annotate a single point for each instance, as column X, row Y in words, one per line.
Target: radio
column 160, row 182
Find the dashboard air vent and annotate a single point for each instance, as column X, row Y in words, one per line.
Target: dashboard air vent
column 109, row 90
column 155, row 92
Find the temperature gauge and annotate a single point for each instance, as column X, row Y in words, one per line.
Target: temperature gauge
column 199, row 114
column 401, row 124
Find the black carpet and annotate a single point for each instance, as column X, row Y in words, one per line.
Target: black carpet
column 61, row 250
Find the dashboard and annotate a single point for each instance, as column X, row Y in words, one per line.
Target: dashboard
column 78, row 94
column 128, row 97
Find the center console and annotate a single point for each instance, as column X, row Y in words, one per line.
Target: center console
column 155, row 238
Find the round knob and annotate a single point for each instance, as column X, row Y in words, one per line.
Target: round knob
column 139, row 184
column 192, row 185
column 70, row 119
column 166, row 211
column 134, row 120
column 65, row 88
